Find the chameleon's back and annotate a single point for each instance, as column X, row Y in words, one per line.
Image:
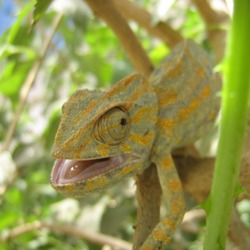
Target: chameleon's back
column 187, row 90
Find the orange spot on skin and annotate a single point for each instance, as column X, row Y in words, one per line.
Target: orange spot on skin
column 90, row 185
column 177, row 207
column 167, row 163
column 166, row 124
column 159, row 235
column 166, row 97
column 169, row 223
column 185, row 112
column 174, row 185
column 128, row 169
column 121, row 86
column 144, row 140
column 175, row 71
column 135, row 95
column 101, row 181
column 125, row 148
column 69, row 188
column 79, row 96
column 205, row 92
column 140, row 114
column 96, row 183
column 103, row 149
column 201, row 73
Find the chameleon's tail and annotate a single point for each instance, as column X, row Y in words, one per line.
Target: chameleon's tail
column 187, row 90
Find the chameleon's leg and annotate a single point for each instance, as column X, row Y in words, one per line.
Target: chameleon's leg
column 174, row 199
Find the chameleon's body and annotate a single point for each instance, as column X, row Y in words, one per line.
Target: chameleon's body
column 137, row 122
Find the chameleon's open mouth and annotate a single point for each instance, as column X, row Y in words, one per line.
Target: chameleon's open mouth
column 73, row 171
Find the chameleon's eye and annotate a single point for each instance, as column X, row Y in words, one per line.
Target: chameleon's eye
column 112, row 127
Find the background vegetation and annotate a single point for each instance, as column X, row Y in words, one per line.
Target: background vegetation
column 40, row 66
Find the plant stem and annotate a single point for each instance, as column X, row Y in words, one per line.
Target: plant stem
column 235, row 98
column 29, row 81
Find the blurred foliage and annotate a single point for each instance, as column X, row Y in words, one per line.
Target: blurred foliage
column 84, row 53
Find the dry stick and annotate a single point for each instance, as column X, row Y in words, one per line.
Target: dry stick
column 214, row 22
column 162, row 30
column 96, row 238
column 196, row 177
column 149, row 205
column 238, row 232
column 29, row 83
column 106, row 11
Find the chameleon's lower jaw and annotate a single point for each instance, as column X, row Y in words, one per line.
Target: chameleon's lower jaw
column 75, row 171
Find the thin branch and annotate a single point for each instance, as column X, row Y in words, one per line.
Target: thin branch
column 196, row 175
column 106, row 11
column 162, row 30
column 96, row 238
column 238, row 232
column 214, row 22
column 208, row 13
column 29, row 83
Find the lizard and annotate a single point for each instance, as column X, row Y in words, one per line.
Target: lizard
column 106, row 136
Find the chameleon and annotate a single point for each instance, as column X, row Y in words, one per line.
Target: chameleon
column 106, row 136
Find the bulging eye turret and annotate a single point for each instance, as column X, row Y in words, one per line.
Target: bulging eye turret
column 112, row 127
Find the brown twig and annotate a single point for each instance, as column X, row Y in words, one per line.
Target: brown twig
column 196, row 175
column 29, row 81
column 106, row 11
column 162, row 30
column 96, row 238
column 214, row 22
column 238, row 232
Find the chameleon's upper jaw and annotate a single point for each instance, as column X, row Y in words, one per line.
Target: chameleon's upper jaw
column 75, row 171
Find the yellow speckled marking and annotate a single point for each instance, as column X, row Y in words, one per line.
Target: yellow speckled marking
column 90, row 185
column 167, row 126
column 69, row 188
column 160, row 235
column 169, row 223
column 99, row 181
column 126, row 170
column 167, row 97
column 174, row 185
column 167, row 164
column 175, row 71
column 103, row 149
column 140, row 114
column 142, row 140
column 125, row 148
column 185, row 112
column 102, row 180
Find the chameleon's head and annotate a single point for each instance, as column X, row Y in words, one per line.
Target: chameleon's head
column 104, row 136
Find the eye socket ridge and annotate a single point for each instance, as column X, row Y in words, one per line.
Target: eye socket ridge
column 112, row 127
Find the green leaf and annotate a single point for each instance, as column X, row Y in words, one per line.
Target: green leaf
column 8, row 49
column 18, row 23
column 40, row 8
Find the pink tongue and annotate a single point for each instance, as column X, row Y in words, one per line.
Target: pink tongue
column 74, row 168
column 72, row 171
